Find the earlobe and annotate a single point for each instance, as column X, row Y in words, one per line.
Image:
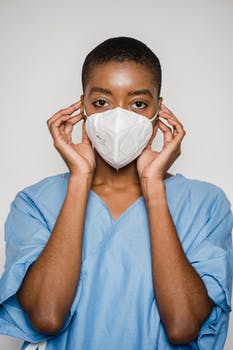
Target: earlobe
column 160, row 101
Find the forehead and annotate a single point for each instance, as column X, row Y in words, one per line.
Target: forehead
column 120, row 75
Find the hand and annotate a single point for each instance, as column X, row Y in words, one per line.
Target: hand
column 152, row 164
column 79, row 158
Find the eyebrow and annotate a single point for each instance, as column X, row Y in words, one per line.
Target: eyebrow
column 131, row 93
column 141, row 92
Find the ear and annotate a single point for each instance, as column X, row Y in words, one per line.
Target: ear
column 82, row 105
column 157, row 118
column 160, row 101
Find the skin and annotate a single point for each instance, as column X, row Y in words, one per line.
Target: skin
column 48, row 289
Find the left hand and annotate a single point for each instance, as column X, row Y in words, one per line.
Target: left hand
column 152, row 164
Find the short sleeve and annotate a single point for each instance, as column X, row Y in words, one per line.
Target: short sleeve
column 26, row 234
column 212, row 258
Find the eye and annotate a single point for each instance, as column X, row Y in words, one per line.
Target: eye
column 140, row 104
column 99, row 103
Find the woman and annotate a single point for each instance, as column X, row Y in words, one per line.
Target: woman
column 118, row 253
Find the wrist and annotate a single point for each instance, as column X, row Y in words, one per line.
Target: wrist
column 80, row 181
column 154, row 191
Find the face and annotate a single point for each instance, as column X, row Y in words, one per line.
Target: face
column 127, row 85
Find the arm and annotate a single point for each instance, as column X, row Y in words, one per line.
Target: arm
column 49, row 286
column 181, row 295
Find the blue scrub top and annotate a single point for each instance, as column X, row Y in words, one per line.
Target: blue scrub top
column 114, row 306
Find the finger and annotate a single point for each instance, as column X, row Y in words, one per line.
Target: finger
column 69, row 110
column 167, row 131
column 56, row 128
column 165, row 109
column 73, row 120
column 76, row 104
column 74, row 107
column 70, row 124
column 65, row 111
column 56, row 116
column 166, row 113
column 85, row 138
column 172, row 121
column 155, row 129
column 59, row 121
column 178, row 127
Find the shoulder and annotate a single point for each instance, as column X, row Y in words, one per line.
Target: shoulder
column 201, row 209
column 206, row 194
column 38, row 202
column 48, row 185
column 48, row 192
column 204, row 188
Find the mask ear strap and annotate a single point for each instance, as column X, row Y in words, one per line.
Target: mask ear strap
column 84, row 114
column 154, row 117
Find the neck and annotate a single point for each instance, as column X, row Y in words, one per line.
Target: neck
column 107, row 175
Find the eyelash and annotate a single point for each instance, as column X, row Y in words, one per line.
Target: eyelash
column 95, row 104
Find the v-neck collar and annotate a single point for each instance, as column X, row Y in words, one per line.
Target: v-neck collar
column 107, row 208
column 131, row 206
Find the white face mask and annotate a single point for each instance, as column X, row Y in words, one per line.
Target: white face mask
column 119, row 135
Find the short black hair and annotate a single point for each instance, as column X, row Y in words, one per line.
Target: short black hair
column 122, row 49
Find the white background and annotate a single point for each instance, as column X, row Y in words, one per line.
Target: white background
column 43, row 45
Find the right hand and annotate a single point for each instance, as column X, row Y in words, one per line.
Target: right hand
column 80, row 157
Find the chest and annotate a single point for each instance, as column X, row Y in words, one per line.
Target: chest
column 118, row 200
